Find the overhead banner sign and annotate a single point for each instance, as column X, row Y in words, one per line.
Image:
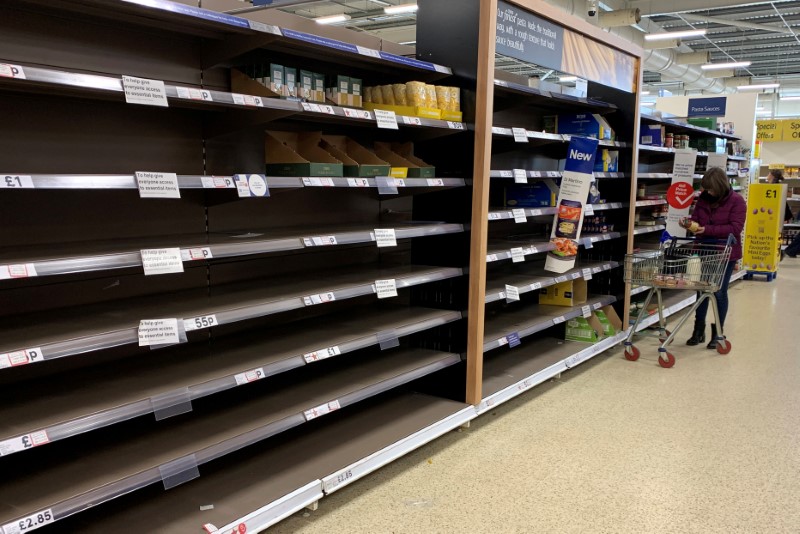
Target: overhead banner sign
column 572, row 199
column 680, row 195
column 769, row 131
column 707, row 107
column 791, row 130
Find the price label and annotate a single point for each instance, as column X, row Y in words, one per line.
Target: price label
column 519, row 215
column 19, row 270
column 194, row 94
column 32, row 522
column 588, row 243
column 536, row 285
column 321, row 410
column 16, row 181
column 553, row 174
column 587, row 274
column 587, row 312
column 162, row 261
column 320, row 241
column 195, row 254
column 559, row 320
column 520, row 176
column 455, row 125
column 495, row 216
column 21, row 443
column 250, row 376
column 214, row 182
column 266, row 28
column 435, row 182
column 491, row 257
column 589, row 210
column 199, row 323
column 328, row 110
column 498, row 130
column 506, row 174
column 351, row 113
column 322, row 354
column 144, row 92
column 520, row 135
column 251, row 185
column 12, row 71
column 158, row 332
column 318, row 182
column 340, row 479
column 385, row 237
column 311, row 107
column 416, row 121
column 357, row 182
column 386, row 119
column 238, row 99
column 386, row 288
column 322, row 298
column 443, row 70
column 399, row 182
column 597, row 305
column 21, row 357
column 512, row 292
column 517, row 255
column 535, row 213
column 369, row 52
column 536, row 174
column 253, row 101
column 561, row 279
column 606, row 237
column 513, row 340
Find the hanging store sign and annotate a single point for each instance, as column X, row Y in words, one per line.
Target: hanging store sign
column 769, row 131
column 707, row 107
column 791, row 130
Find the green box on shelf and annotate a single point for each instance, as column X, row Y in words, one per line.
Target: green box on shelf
column 358, row 161
column 299, row 154
column 609, row 320
column 583, row 330
column 709, row 123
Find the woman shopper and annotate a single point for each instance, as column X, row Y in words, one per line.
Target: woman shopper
column 720, row 212
column 775, row 176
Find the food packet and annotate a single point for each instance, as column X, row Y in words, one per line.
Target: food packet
column 367, row 95
column 443, row 98
column 455, row 99
column 430, row 100
column 399, row 90
column 416, row 95
column 388, row 95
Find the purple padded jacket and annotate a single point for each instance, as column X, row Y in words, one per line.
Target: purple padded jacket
column 723, row 218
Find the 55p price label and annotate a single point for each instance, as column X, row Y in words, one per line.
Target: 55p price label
column 199, row 323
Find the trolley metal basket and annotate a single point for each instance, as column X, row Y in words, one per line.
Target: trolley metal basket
column 680, row 263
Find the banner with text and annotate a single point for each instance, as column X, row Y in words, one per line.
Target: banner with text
column 572, row 198
column 708, row 107
column 680, row 195
column 769, row 131
column 762, row 231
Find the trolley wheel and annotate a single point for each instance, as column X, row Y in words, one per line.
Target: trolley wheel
column 666, row 360
column 724, row 346
column 663, row 338
column 631, row 353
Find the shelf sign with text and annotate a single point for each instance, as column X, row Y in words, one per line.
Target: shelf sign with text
column 769, row 131
column 576, row 181
column 527, row 37
column 680, row 195
column 762, row 230
column 708, row 107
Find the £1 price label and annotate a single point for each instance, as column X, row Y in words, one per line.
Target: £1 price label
column 199, row 323
column 322, row 354
column 32, row 522
column 435, row 182
column 357, row 182
column 21, row 357
column 321, row 410
column 16, row 181
column 320, row 241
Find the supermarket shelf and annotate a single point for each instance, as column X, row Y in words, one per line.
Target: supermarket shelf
column 665, row 150
column 661, row 175
column 532, row 318
column 643, row 203
column 738, row 275
column 552, row 174
column 125, row 390
column 557, row 100
column 501, row 249
column 503, row 214
column 514, row 372
column 83, row 475
column 70, row 332
column 684, row 126
column 284, row 477
column 539, row 278
column 502, row 131
column 639, row 230
column 674, row 301
column 83, row 257
column 639, row 289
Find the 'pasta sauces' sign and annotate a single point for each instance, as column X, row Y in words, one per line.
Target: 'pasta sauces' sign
column 575, row 184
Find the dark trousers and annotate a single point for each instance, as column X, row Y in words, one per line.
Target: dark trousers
column 722, row 299
column 794, row 248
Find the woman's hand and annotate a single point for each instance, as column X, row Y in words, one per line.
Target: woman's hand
column 699, row 230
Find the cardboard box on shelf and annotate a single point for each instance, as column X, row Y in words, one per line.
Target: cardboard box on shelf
column 319, row 87
column 609, row 320
column 569, row 293
column 357, row 160
column 606, row 161
column 709, row 123
column 584, row 330
column 299, row 154
column 241, row 83
column 406, row 150
column 338, row 91
column 355, row 93
column 652, row 135
column 532, row 195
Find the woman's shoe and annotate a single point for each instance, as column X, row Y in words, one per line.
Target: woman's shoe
column 698, row 336
column 712, row 345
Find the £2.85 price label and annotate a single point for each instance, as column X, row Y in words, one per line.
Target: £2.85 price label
column 32, row 522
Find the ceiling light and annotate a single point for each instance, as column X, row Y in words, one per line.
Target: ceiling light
column 648, row 104
column 787, row 98
column 674, row 35
column 644, row 93
column 565, row 79
column 332, row 19
column 729, row 65
column 758, row 87
column 765, row 112
column 402, row 8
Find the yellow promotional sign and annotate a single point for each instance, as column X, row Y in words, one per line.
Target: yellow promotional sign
column 762, row 239
column 769, row 131
column 778, row 166
column 791, row 130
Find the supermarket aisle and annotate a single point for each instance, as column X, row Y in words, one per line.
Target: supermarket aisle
column 712, row 445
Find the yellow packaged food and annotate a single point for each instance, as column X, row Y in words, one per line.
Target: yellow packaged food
column 399, row 90
column 455, row 99
column 388, row 95
column 443, row 97
column 430, row 100
column 377, row 95
column 367, row 95
column 416, row 95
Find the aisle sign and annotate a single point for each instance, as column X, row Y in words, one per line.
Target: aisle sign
column 769, row 131
column 791, row 130
column 680, row 195
column 575, row 184
column 762, row 231
column 708, row 107
column 145, row 92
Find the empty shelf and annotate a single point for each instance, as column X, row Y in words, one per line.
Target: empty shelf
column 501, row 249
column 539, row 278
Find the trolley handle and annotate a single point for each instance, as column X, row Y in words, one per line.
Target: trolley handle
column 729, row 241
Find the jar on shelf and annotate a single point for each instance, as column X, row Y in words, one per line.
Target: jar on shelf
column 669, row 141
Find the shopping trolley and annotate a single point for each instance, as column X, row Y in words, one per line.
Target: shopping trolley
column 679, row 264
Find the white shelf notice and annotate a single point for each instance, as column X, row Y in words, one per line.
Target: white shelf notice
column 386, row 119
column 158, row 185
column 322, row 354
column 16, row 181
column 162, row 261
column 386, row 288
column 520, row 135
column 251, row 185
column 385, row 237
column 145, row 92
column 249, row 376
column 517, row 255
column 158, row 332
column 519, row 215
column 32, row 522
column 321, row 410
column 512, row 292
column 520, row 176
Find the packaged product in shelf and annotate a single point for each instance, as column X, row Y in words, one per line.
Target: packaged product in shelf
column 276, row 79
column 359, row 161
column 406, row 150
column 584, row 330
column 709, row 123
column 400, row 95
column 607, row 161
column 356, row 87
column 609, row 320
column 550, row 123
column 319, row 87
column 586, row 125
column 653, row 135
column 442, row 97
column 387, row 95
column 290, row 77
column 306, row 85
column 416, row 99
column 299, row 154
column 338, row 90
column 569, row 293
column 533, row 195
column 594, row 194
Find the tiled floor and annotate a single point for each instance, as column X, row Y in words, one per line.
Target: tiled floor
column 710, row 446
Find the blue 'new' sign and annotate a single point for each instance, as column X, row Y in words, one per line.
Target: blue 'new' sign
column 707, row 107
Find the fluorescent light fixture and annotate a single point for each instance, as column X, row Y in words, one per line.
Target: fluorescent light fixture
column 674, row 35
column 729, row 65
column 789, row 98
column 332, row 19
column 765, row 112
column 568, row 79
column 399, row 10
column 758, row 86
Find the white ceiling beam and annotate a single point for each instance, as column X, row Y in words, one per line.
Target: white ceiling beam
column 737, row 23
column 659, row 7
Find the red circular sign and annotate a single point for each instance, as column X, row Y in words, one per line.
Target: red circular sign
column 680, row 195
column 242, row 528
